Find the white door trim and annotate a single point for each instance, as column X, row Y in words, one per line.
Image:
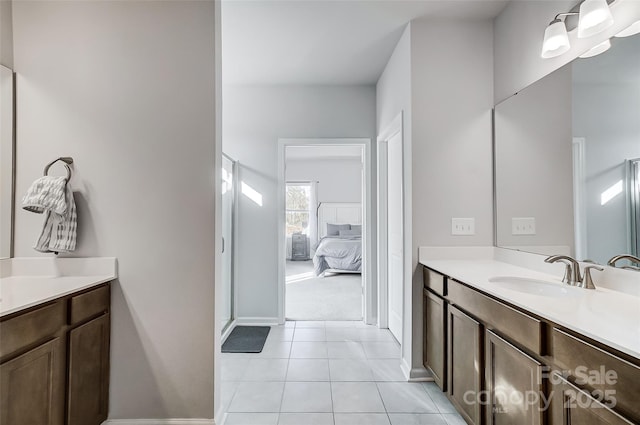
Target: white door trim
column 383, row 285
column 368, row 275
column 579, row 197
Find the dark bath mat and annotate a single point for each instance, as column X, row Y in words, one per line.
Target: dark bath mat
column 246, row 339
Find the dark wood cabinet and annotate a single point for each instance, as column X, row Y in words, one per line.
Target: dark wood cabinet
column 54, row 364
column 435, row 338
column 464, row 371
column 32, row 386
column 571, row 405
column 514, row 384
column 88, row 374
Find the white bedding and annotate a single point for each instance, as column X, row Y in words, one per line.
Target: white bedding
column 338, row 253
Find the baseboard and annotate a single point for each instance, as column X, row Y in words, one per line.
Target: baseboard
column 257, row 321
column 406, row 369
column 227, row 331
column 420, row 374
column 159, row 422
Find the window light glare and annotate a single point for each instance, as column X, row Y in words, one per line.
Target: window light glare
column 611, row 193
column 252, row 194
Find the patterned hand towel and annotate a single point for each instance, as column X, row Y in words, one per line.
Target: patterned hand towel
column 53, row 197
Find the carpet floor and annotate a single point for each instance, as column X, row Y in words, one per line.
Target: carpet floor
column 334, row 297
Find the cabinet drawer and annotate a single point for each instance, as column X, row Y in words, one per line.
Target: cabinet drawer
column 517, row 326
column 28, row 328
column 89, row 304
column 435, row 281
column 581, row 358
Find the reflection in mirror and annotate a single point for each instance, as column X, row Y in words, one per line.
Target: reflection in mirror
column 6, row 161
column 567, row 152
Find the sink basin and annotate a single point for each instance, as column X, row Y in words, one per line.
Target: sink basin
column 535, row 286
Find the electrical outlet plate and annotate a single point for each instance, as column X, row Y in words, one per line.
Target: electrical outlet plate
column 523, row 226
column 463, row 226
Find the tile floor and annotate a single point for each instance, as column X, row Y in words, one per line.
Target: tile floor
column 328, row 373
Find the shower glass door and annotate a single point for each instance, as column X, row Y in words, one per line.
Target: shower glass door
column 228, row 204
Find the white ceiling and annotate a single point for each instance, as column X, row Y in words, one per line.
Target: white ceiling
column 331, row 42
column 323, row 152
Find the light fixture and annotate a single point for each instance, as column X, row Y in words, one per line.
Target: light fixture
column 632, row 29
column 596, row 50
column 595, row 17
column 556, row 40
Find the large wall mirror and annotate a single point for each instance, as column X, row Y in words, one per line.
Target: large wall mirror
column 7, row 163
column 567, row 159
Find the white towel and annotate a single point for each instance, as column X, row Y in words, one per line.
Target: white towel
column 53, row 197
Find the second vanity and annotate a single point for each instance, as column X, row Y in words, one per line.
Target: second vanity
column 54, row 340
column 512, row 345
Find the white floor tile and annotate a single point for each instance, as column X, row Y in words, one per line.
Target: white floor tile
column 280, row 333
column 312, row 397
column 308, row 370
column 266, row 370
column 387, row 370
column 309, row 324
column 406, row 397
column 344, row 324
column 439, row 398
column 345, row 350
column 290, row 324
column 306, row 419
column 453, row 419
column 309, row 350
column 381, row 350
column 227, row 390
column 251, row 419
column 310, row 334
column 263, row 397
column 416, row 419
column 356, row 397
column 361, row 419
column 342, row 334
column 233, row 369
column 381, row 335
column 349, row 370
column 276, row 350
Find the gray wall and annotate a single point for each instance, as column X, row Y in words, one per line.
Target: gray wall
column 534, row 173
column 606, row 115
column 127, row 89
column 6, row 33
column 253, row 120
column 518, row 41
column 339, row 180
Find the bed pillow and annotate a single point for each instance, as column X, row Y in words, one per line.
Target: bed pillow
column 334, row 229
column 350, row 233
column 357, row 227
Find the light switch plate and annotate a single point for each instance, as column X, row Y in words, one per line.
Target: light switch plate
column 463, row 226
column 523, row 226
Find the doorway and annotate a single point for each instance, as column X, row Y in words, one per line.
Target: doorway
column 324, row 239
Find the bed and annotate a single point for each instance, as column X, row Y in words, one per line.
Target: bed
column 339, row 248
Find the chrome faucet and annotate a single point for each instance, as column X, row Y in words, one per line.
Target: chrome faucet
column 631, row 258
column 572, row 271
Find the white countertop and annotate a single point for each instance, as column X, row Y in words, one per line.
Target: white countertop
column 607, row 316
column 27, row 282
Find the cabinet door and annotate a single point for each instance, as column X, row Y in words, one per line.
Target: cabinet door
column 464, row 365
column 514, row 384
column 32, row 387
column 571, row 405
column 435, row 347
column 88, row 392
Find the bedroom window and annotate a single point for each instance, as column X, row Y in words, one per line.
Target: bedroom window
column 298, row 208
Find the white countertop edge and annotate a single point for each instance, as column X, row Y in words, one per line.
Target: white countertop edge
column 448, row 266
column 90, row 282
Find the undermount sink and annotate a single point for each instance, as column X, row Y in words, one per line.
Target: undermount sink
column 535, row 286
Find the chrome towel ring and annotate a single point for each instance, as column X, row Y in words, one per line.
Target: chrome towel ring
column 66, row 159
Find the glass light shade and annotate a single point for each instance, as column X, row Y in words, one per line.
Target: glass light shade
column 596, row 50
column 556, row 40
column 595, row 17
column 632, row 29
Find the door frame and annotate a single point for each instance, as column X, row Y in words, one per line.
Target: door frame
column 391, row 130
column 369, row 311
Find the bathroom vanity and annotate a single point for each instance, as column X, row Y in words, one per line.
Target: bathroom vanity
column 510, row 345
column 54, row 341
